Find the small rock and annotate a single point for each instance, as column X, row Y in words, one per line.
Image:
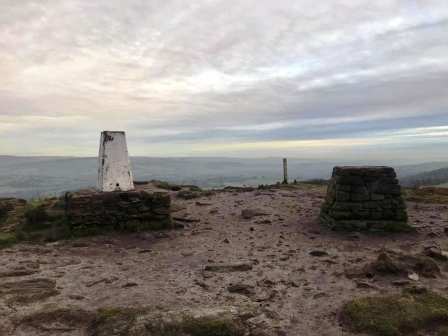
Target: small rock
column 365, row 285
column 76, row 297
column 320, row 295
column 225, row 268
column 80, row 244
column 186, row 219
column 161, row 235
column 242, row 289
column 129, row 284
column 401, row 283
column 436, row 253
column 413, row 277
column 318, row 253
column 432, row 235
column 251, row 213
column 203, row 204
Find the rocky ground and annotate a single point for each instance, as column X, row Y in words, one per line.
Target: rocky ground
column 260, row 252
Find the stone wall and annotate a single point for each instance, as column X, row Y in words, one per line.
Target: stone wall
column 364, row 198
column 10, row 210
column 89, row 212
column 121, row 211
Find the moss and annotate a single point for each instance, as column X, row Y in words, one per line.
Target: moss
column 400, row 264
column 3, row 215
column 166, row 185
column 69, row 318
column 7, row 239
column 45, row 220
column 396, row 315
column 211, row 327
column 48, row 219
column 189, row 326
column 36, row 216
column 123, row 322
column 194, row 188
column 427, row 195
column 398, row 227
column 113, row 322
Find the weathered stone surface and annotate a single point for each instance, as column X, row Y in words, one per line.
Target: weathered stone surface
column 114, row 167
column 89, row 212
column 123, row 211
column 364, row 198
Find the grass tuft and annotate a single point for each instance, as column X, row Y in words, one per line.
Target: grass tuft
column 7, row 239
column 397, row 315
column 120, row 321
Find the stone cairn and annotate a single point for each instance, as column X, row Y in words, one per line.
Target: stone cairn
column 364, row 198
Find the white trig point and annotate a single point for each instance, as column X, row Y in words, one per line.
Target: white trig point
column 114, row 168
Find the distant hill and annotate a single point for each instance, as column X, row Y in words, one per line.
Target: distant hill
column 30, row 177
column 438, row 177
column 414, row 169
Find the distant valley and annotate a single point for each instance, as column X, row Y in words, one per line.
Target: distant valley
column 31, row 177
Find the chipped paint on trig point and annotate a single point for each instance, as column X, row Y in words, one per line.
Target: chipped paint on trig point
column 114, row 168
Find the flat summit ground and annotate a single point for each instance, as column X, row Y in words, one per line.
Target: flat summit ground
column 262, row 249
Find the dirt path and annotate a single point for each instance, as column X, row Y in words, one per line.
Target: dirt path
column 295, row 292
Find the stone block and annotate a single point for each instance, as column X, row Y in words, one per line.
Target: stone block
column 377, row 197
column 342, row 196
column 360, row 197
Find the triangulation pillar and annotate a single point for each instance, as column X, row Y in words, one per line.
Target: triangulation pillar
column 114, row 168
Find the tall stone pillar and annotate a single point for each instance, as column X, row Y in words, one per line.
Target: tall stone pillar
column 114, row 168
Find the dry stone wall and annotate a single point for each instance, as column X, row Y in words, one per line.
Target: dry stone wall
column 121, row 211
column 10, row 211
column 364, row 198
column 90, row 212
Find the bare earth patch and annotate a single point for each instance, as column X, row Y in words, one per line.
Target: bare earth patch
column 266, row 264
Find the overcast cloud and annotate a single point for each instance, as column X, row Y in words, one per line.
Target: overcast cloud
column 350, row 78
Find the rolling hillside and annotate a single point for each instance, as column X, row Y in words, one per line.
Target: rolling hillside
column 437, row 177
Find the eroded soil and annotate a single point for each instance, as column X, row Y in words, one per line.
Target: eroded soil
column 276, row 259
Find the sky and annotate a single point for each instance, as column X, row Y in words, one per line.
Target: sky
column 355, row 79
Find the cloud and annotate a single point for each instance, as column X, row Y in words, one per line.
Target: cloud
column 206, row 76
